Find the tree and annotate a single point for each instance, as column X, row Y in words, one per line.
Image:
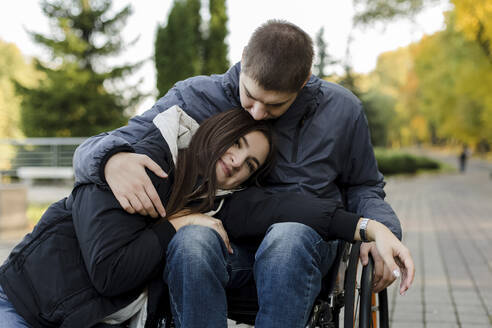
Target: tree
column 474, row 20
column 178, row 45
column 215, row 49
column 185, row 47
column 324, row 59
column 454, row 86
column 440, row 87
column 368, row 12
column 79, row 96
column 441, row 84
column 379, row 109
column 13, row 66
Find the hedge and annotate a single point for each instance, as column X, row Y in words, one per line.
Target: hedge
column 394, row 162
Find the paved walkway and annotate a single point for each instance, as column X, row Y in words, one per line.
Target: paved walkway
column 447, row 225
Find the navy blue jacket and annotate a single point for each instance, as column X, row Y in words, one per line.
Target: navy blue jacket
column 323, row 141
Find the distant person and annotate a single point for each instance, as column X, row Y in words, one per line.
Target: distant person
column 324, row 150
column 463, row 157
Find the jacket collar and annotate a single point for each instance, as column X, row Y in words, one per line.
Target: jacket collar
column 305, row 104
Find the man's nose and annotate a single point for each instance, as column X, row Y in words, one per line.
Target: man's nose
column 258, row 111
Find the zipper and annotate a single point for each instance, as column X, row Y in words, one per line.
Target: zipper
column 295, row 146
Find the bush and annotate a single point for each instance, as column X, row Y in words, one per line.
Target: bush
column 393, row 162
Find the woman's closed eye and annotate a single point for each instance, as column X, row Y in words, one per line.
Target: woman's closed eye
column 251, row 167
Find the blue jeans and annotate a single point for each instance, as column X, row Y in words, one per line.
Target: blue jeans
column 287, row 267
column 9, row 318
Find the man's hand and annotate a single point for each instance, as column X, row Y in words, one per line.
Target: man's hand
column 130, row 184
column 383, row 277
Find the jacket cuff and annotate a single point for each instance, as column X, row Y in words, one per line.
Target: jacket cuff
column 107, row 156
column 345, row 223
column 165, row 232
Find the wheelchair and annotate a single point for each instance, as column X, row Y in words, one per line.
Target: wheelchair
column 346, row 299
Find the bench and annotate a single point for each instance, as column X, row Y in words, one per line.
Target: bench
column 30, row 173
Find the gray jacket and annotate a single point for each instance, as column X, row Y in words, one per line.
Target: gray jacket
column 323, row 141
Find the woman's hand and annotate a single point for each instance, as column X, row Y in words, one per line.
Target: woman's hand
column 203, row 220
column 130, row 184
column 395, row 255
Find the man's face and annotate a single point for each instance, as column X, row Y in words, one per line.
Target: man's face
column 260, row 103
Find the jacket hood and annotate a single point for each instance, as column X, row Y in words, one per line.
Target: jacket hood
column 230, row 84
column 177, row 128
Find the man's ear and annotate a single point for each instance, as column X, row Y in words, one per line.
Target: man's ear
column 242, row 55
column 305, row 82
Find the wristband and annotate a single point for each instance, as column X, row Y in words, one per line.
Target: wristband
column 363, row 230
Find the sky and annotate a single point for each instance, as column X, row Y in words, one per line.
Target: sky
column 243, row 17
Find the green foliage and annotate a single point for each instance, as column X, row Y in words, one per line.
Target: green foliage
column 324, row 59
column 178, row 45
column 78, row 97
column 440, row 87
column 13, row 66
column 371, row 11
column 215, row 49
column 384, row 90
column 455, row 93
column 378, row 106
column 380, row 113
column 393, row 162
column 35, row 211
column 183, row 49
column 474, row 20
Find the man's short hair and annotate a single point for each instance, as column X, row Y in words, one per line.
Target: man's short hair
column 278, row 56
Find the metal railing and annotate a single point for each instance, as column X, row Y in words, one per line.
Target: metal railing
column 39, row 152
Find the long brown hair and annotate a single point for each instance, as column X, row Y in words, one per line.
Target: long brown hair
column 195, row 176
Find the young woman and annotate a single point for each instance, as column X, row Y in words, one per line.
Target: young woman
column 88, row 261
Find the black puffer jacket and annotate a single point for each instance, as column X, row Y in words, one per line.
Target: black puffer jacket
column 87, row 257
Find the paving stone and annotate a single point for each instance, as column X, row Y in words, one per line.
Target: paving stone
column 400, row 324
column 408, row 317
column 435, row 315
column 441, row 325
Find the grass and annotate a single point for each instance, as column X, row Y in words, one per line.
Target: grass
column 35, row 211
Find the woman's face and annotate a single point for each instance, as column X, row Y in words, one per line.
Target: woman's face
column 241, row 160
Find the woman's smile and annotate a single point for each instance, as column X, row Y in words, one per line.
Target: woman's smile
column 225, row 168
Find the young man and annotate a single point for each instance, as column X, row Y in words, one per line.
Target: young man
column 323, row 141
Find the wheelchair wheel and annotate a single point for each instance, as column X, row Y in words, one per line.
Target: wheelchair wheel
column 361, row 306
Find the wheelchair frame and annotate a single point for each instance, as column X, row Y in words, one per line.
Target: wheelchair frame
column 346, row 287
column 352, row 292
